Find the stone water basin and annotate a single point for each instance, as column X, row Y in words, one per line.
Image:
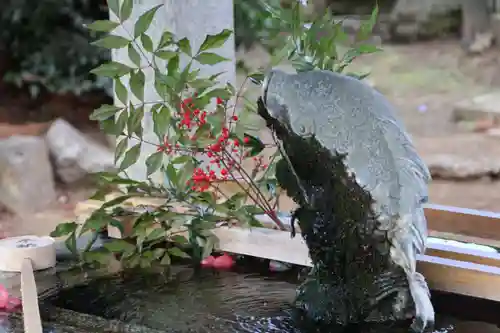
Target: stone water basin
column 247, row 299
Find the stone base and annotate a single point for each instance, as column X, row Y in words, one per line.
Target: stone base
column 325, row 303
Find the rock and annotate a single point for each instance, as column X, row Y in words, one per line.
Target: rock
column 411, row 19
column 458, row 157
column 26, row 179
column 478, row 108
column 449, row 166
column 75, row 155
column 481, row 42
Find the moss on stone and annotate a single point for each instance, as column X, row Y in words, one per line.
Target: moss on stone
column 353, row 279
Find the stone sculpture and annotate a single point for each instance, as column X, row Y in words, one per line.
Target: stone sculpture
column 353, row 171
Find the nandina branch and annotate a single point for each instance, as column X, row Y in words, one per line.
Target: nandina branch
column 260, row 200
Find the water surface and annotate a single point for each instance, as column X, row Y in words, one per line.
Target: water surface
column 208, row 301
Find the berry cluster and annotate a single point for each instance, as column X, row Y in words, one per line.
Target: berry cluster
column 222, row 158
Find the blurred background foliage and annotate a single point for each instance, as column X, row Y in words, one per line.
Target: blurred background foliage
column 44, row 45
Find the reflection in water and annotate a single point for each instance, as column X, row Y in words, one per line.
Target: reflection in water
column 218, row 302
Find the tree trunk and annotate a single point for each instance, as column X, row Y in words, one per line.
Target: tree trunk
column 476, row 28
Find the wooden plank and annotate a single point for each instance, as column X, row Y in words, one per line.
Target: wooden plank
column 460, row 277
column 464, row 254
column 465, row 239
column 463, row 221
column 450, row 222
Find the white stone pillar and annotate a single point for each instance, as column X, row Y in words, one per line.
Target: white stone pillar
column 193, row 19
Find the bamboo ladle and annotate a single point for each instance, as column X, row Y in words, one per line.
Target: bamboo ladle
column 26, row 254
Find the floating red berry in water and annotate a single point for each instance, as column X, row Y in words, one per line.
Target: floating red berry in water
column 4, row 297
column 208, row 261
column 223, row 262
column 8, row 303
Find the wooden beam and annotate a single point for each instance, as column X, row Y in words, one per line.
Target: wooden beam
column 448, row 222
column 463, row 221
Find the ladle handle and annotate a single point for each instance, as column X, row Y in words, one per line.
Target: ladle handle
column 31, row 311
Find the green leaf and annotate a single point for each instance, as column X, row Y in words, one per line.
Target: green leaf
column 108, row 126
column 201, row 84
column 114, row 6
column 367, row 26
column 112, row 69
column 64, row 229
column 185, row 46
column 179, row 239
column 144, row 21
column 158, row 253
column 70, row 243
column 134, row 55
column 121, row 92
column 100, row 195
column 166, row 39
column 359, row 76
column 165, row 55
column 117, row 224
column 116, row 201
column 137, row 81
column 255, row 145
column 120, row 149
column 209, row 58
column 104, row 112
column 176, row 252
column 112, row 42
column 134, row 123
column 214, row 41
column 209, row 246
column 147, row 43
column 121, row 122
column 98, row 256
column 161, row 121
column 182, row 79
column 185, row 174
column 257, row 78
column 172, row 175
column 249, row 123
column 367, row 48
column 119, row 246
column 181, row 159
column 217, row 92
column 131, row 157
column 173, row 65
column 166, row 261
column 156, row 234
column 94, row 223
column 154, row 162
column 126, row 9
column 103, row 25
